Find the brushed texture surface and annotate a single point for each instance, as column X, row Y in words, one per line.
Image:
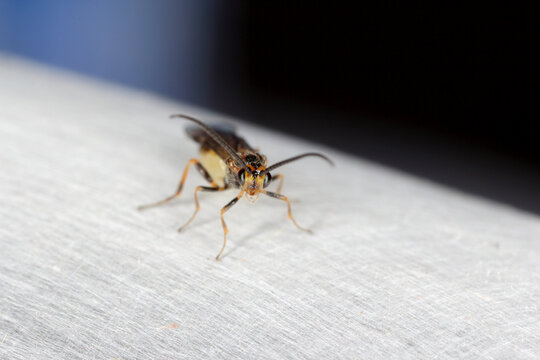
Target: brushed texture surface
column 397, row 268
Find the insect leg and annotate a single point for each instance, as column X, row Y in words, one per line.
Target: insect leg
column 225, row 229
column 280, row 177
column 197, row 207
column 201, row 169
column 289, row 212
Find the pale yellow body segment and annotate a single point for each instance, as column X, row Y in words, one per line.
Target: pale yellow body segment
column 215, row 166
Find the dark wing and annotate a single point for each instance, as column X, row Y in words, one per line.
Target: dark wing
column 227, row 133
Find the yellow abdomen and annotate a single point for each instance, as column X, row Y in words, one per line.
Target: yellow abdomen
column 215, row 166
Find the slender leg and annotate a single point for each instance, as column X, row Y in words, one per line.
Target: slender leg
column 197, row 207
column 289, row 212
column 280, row 177
column 225, row 229
column 201, row 169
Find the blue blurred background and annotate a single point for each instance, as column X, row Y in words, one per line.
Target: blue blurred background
column 164, row 46
column 443, row 91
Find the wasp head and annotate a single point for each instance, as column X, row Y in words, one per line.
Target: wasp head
column 256, row 179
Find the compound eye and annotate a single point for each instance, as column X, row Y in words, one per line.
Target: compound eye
column 267, row 179
column 242, row 175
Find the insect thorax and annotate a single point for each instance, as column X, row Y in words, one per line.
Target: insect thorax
column 254, row 161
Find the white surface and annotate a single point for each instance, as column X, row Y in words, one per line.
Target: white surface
column 397, row 268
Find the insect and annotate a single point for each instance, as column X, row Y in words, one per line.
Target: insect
column 227, row 161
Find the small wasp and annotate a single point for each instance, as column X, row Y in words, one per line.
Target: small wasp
column 227, row 161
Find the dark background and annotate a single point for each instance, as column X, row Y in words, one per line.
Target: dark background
column 446, row 92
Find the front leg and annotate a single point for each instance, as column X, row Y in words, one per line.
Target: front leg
column 280, row 185
column 289, row 212
column 225, row 229
column 197, row 206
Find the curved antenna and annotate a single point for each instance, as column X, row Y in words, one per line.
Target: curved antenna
column 217, row 138
column 298, row 157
